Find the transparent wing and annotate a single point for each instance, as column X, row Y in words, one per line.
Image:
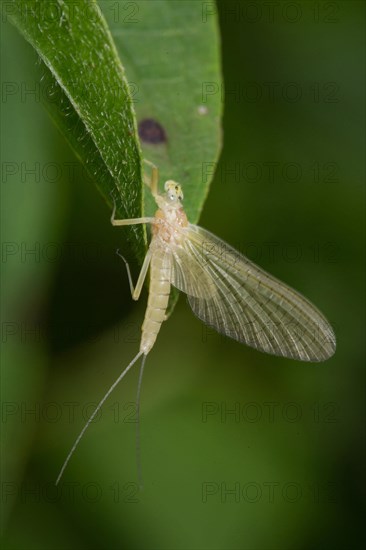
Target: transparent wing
column 187, row 273
column 242, row 301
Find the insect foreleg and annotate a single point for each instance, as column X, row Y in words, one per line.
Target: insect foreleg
column 131, row 221
column 152, row 181
column 128, row 221
column 136, row 291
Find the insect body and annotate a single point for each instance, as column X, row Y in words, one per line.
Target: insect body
column 225, row 290
column 167, row 231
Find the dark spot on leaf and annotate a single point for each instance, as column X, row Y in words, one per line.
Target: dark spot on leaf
column 150, row 131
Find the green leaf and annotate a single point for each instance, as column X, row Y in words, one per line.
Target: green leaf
column 171, row 52
column 88, row 96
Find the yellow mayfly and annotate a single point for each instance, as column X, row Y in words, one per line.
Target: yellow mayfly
column 225, row 290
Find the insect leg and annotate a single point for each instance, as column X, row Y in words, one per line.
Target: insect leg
column 136, row 291
column 152, row 181
column 128, row 221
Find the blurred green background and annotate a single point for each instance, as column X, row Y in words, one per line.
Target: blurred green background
column 240, row 450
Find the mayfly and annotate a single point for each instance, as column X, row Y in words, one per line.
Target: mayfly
column 225, row 290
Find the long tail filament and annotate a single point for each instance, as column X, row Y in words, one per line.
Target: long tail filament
column 100, row 404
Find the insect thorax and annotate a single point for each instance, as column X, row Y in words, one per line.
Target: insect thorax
column 169, row 223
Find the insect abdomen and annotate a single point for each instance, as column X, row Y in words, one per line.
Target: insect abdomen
column 157, row 303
